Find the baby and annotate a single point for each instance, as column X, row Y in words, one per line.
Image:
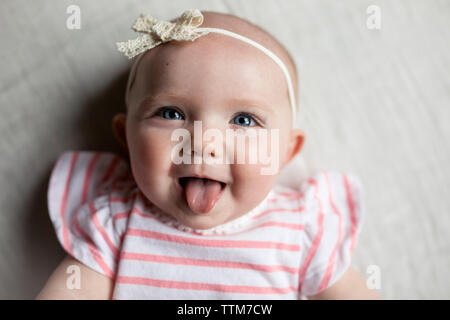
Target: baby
column 190, row 215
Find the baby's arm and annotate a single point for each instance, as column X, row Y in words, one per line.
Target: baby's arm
column 351, row 286
column 93, row 285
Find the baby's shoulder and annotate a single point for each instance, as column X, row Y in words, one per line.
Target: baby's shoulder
column 90, row 195
column 332, row 216
column 327, row 183
column 330, row 195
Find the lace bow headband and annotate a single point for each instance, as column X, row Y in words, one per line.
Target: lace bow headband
column 185, row 27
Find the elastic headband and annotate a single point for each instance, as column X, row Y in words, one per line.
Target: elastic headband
column 185, row 27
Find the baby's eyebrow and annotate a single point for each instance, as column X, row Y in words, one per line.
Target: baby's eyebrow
column 248, row 102
column 235, row 102
column 145, row 102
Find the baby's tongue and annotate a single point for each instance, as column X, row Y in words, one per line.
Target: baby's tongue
column 202, row 194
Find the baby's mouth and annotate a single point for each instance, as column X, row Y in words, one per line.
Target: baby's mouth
column 201, row 193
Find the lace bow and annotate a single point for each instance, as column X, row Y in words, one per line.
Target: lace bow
column 156, row 32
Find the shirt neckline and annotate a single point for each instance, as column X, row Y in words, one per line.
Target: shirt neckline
column 222, row 229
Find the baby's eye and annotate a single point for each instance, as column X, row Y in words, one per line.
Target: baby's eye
column 244, row 120
column 169, row 113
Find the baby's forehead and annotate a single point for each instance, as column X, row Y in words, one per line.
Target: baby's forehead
column 208, row 53
column 216, row 50
column 252, row 31
column 212, row 65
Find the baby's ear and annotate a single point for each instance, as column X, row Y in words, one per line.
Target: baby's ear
column 119, row 128
column 295, row 145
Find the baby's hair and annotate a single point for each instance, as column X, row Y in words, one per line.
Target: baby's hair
column 263, row 37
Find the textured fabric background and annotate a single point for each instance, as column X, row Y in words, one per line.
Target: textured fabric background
column 372, row 102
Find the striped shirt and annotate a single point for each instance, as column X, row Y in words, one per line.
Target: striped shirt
column 294, row 244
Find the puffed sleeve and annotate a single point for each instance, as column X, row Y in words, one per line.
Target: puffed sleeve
column 80, row 192
column 332, row 219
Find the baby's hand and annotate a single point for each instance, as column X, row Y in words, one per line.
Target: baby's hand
column 349, row 287
column 93, row 285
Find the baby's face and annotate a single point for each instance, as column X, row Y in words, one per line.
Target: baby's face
column 226, row 85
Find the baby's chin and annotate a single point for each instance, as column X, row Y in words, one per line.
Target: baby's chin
column 216, row 217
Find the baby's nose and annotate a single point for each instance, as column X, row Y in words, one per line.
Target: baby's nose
column 203, row 147
column 207, row 141
column 196, row 153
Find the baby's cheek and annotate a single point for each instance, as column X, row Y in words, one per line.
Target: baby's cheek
column 150, row 156
column 249, row 185
column 151, row 145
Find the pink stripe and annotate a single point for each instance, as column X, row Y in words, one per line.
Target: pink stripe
column 142, row 214
column 121, row 215
column 102, row 231
column 312, row 250
column 65, row 232
column 351, row 207
column 124, row 199
column 211, row 242
column 287, row 197
column 262, row 225
column 203, row 286
column 87, row 179
column 108, row 172
column 205, row 263
column 290, row 194
column 126, row 214
column 293, row 226
column 97, row 257
column 284, row 200
column 300, row 209
column 91, row 204
column 92, row 249
column 327, row 276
